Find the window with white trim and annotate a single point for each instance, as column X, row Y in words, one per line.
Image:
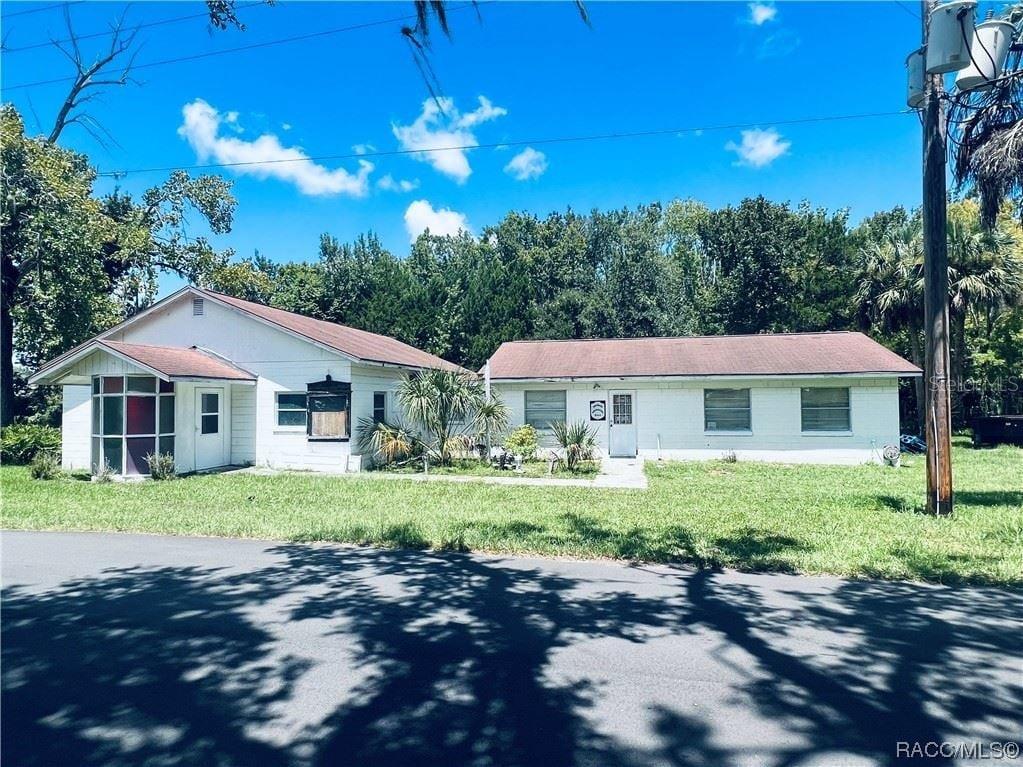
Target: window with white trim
column 544, row 408
column 379, row 406
column 291, row 410
column 132, row 418
column 825, row 408
column 727, row 410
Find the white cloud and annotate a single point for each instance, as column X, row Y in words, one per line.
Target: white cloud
column 389, row 184
column 761, row 13
column 285, row 126
column 363, row 148
column 268, row 157
column 759, row 147
column 440, row 124
column 420, row 216
column 527, row 164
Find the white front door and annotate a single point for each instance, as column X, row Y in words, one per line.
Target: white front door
column 209, row 428
column 622, row 426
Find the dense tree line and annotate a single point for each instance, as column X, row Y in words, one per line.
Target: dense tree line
column 678, row 269
column 75, row 263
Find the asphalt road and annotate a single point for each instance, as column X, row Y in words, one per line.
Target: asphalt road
column 139, row 650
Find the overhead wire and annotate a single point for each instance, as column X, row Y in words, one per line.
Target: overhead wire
column 44, row 8
column 240, row 48
column 502, row 144
column 133, row 28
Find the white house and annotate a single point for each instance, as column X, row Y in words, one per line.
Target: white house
column 219, row 381
column 803, row 397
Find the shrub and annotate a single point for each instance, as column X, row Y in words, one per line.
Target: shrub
column 45, row 465
column 104, row 473
column 577, row 440
column 389, row 443
column 20, row 442
column 523, row 441
column 161, row 465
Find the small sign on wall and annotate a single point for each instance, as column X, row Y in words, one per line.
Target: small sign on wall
column 598, row 410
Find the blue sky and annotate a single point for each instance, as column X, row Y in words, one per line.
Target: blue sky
column 520, row 73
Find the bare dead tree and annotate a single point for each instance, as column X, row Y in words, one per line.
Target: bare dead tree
column 111, row 68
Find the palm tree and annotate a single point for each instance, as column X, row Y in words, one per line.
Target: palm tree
column 491, row 418
column 442, row 404
column 985, row 276
column 577, row 440
column 890, row 291
column 389, row 443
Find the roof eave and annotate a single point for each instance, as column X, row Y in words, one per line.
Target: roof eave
column 700, row 377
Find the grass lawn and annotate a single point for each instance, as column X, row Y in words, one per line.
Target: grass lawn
column 851, row 521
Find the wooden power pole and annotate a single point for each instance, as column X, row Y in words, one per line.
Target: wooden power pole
column 937, row 403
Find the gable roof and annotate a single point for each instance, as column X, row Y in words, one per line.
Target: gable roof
column 169, row 362
column 360, row 344
column 180, row 362
column 752, row 355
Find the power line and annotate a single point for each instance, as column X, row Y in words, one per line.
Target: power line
column 134, row 28
column 523, row 142
column 253, row 46
column 40, row 10
column 908, row 10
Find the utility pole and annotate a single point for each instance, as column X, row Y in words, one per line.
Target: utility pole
column 937, row 404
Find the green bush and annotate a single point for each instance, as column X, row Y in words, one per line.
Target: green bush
column 523, row 441
column 45, row 465
column 20, row 442
column 161, row 465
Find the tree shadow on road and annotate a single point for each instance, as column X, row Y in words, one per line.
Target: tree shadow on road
column 424, row 658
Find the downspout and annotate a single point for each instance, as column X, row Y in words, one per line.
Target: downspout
column 486, row 378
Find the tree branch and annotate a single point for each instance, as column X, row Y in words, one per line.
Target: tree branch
column 91, row 76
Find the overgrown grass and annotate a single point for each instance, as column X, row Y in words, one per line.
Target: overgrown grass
column 861, row 521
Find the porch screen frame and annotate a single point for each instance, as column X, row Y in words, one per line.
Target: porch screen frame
column 162, row 434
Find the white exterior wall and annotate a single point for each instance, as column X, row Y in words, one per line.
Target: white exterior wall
column 243, row 425
column 282, row 363
column 670, row 421
column 76, row 427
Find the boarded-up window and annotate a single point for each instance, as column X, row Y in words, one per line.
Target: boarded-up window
column 544, row 408
column 329, row 406
column 825, row 408
column 726, row 410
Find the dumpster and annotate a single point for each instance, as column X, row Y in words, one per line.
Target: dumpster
column 998, row 430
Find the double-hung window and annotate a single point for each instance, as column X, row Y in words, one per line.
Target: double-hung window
column 726, row 410
column 544, row 408
column 291, row 409
column 379, row 406
column 825, row 408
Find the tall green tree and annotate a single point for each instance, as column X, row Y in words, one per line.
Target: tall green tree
column 74, row 263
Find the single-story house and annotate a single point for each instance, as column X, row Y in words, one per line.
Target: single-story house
column 799, row 397
column 219, row 381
